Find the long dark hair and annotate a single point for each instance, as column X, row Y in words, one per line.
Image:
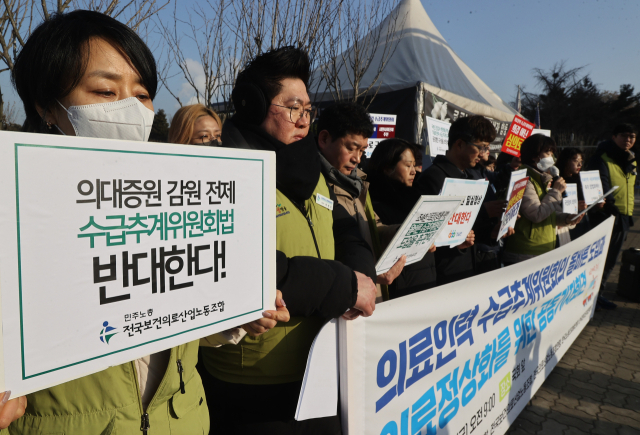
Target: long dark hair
column 55, row 57
column 387, row 154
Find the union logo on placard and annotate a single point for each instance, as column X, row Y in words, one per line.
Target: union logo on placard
column 107, row 332
column 281, row 210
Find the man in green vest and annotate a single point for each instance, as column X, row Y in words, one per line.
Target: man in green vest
column 273, row 113
column 617, row 165
column 343, row 132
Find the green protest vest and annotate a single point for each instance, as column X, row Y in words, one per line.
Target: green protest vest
column 109, row 402
column 533, row 238
column 623, row 196
column 280, row 355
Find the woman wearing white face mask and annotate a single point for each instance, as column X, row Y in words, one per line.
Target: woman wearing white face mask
column 86, row 74
column 541, row 208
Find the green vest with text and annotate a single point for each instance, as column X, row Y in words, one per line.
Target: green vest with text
column 532, row 238
column 109, row 402
column 623, row 196
column 280, row 355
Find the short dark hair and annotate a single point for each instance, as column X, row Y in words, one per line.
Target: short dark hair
column 54, row 59
column 386, row 155
column 268, row 69
column 342, row 119
column 535, row 145
column 472, row 128
column 566, row 155
column 624, row 128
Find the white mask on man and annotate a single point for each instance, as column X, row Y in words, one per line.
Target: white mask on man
column 545, row 163
column 126, row 119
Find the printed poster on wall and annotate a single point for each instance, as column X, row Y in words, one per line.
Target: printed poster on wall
column 458, row 227
column 465, row 358
column 419, row 231
column 519, row 130
column 113, row 250
column 438, row 135
column 384, row 127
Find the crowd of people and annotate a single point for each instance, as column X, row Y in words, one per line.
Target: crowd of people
column 86, row 74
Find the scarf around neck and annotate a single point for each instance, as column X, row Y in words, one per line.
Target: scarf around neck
column 297, row 164
column 352, row 183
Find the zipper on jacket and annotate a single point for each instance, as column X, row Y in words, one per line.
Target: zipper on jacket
column 144, row 423
column 180, row 370
column 303, row 210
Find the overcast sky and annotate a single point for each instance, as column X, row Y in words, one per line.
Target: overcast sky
column 502, row 41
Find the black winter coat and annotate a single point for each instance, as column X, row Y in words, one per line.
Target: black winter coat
column 309, row 285
column 452, row 264
column 392, row 202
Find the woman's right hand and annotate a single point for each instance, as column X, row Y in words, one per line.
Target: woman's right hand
column 11, row 410
column 270, row 318
column 560, row 185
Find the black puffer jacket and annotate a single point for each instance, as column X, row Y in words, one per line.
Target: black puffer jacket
column 392, row 201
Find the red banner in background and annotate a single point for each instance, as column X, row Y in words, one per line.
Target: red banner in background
column 519, row 130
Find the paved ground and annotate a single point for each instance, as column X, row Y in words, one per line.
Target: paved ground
column 595, row 387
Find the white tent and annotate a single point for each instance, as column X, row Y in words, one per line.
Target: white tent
column 424, row 62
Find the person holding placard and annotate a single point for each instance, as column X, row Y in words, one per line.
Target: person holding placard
column 196, row 125
column 79, row 74
column 324, row 266
column 468, row 138
column 618, row 167
column 570, row 163
column 342, row 139
column 391, row 172
column 541, row 208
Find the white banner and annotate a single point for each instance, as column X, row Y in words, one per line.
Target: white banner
column 438, row 134
column 113, row 250
column 467, row 356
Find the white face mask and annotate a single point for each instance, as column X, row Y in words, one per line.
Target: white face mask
column 545, row 163
column 126, row 119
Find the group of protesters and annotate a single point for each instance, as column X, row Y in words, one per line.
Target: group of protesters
column 86, row 74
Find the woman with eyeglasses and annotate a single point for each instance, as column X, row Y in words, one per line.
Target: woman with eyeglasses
column 541, row 207
column 196, row 125
column 570, row 163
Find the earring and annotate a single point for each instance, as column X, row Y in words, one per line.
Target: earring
column 49, row 126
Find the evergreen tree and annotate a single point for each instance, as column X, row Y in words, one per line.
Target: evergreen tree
column 160, row 128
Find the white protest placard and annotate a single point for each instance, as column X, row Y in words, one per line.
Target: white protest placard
column 515, row 176
column 591, row 186
column 510, row 216
column 113, row 250
column 419, row 230
column 595, row 203
column 438, row 133
column 541, row 131
column 433, row 361
column 319, row 392
column 462, row 221
column 570, row 202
